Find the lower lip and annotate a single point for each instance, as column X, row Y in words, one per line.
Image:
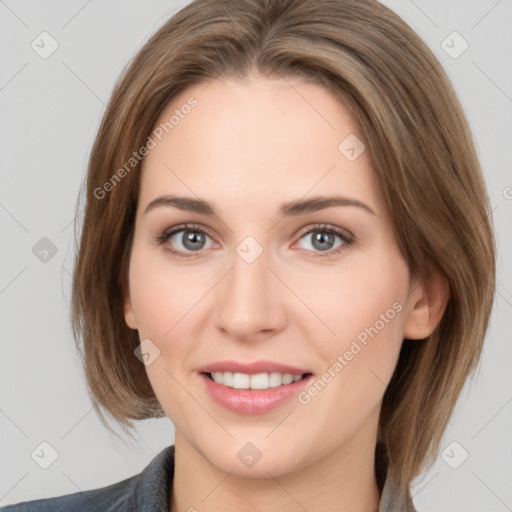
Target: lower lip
column 252, row 401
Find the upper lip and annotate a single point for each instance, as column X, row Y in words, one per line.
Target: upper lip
column 252, row 367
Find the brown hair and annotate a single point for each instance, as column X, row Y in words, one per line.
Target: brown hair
column 422, row 152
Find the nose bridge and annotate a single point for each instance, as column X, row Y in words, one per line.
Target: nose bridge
column 248, row 301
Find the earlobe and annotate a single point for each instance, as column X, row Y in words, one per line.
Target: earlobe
column 427, row 302
column 129, row 314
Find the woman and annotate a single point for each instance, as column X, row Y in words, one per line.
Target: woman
column 287, row 250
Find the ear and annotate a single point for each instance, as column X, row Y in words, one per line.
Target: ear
column 129, row 313
column 425, row 305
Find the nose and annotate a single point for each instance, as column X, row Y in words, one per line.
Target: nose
column 250, row 301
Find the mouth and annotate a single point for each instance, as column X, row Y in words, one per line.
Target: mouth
column 253, row 388
column 259, row 381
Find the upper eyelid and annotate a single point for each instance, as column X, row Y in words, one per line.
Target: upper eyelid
column 186, row 227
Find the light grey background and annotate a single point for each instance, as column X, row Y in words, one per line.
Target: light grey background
column 50, row 111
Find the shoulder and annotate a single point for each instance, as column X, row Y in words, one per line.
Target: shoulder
column 109, row 498
column 148, row 491
column 394, row 498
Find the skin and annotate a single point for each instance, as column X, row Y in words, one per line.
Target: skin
column 247, row 147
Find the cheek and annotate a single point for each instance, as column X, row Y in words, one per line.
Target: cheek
column 365, row 308
column 164, row 308
column 359, row 302
column 162, row 294
column 168, row 300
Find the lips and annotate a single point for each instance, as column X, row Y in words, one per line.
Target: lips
column 252, row 368
column 224, row 381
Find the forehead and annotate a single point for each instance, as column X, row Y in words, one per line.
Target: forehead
column 244, row 139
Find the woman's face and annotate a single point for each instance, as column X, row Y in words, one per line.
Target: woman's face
column 258, row 287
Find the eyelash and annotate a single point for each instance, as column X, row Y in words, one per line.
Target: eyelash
column 345, row 236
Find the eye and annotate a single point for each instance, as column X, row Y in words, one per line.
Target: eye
column 322, row 239
column 187, row 239
column 184, row 239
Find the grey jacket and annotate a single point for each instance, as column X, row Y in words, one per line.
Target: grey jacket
column 149, row 491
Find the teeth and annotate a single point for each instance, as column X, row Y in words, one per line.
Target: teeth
column 258, row 381
column 287, row 378
column 275, row 379
column 227, row 378
column 240, row 381
column 254, row 381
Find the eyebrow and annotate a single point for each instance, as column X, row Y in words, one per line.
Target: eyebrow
column 297, row 207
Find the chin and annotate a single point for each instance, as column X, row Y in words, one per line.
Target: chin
column 255, row 457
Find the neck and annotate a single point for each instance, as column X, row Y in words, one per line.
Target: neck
column 342, row 481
